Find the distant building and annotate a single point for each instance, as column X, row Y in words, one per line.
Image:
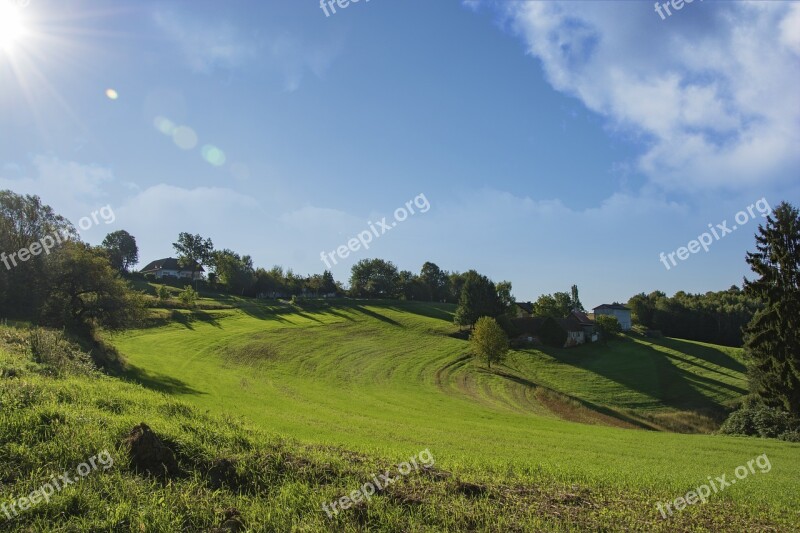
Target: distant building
column 622, row 314
column 577, row 327
column 524, row 309
column 169, row 268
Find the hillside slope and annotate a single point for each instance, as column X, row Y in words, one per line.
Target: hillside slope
column 232, row 476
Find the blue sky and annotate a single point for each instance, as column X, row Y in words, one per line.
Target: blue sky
column 558, row 143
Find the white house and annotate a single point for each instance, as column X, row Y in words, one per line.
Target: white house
column 170, row 268
column 622, row 314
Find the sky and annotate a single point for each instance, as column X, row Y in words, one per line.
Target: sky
column 545, row 143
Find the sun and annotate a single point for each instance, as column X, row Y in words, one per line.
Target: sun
column 12, row 25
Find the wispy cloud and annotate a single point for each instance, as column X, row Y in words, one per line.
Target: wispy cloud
column 206, row 46
column 209, row 46
column 707, row 92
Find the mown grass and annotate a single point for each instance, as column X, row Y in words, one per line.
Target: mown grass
column 52, row 421
column 387, row 379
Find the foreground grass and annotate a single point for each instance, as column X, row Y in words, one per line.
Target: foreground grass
column 387, row 380
column 234, row 476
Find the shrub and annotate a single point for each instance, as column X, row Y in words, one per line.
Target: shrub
column 608, row 325
column 163, row 293
column 51, row 348
column 188, row 296
column 762, row 421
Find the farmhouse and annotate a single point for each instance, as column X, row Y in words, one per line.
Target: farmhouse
column 170, row 268
column 622, row 314
column 574, row 330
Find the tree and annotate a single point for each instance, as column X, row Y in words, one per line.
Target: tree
column 504, row 296
column 608, row 325
column 772, row 338
column 193, row 251
column 235, row 271
column 84, row 291
column 478, row 298
column 558, row 305
column 374, row 278
column 576, row 301
column 25, row 221
column 435, row 280
column 122, row 250
column 328, row 285
column 488, row 341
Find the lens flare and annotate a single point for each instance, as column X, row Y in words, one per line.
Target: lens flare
column 164, row 125
column 112, row 94
column 184, row 137
column 213, row 155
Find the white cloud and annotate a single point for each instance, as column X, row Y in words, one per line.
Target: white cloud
column 73, row 189
column 710, row 89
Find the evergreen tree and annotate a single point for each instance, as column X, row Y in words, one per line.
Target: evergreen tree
column 772, row 339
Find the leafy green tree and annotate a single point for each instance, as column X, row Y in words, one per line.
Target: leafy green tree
column 235, row 271
column 374, row 278
column 435, row 280
column 488, row 341
column 772, row 339
column 504, row 296
column 122, row 250
column 25, row 220
column 608, row 325
column 478, row 298
column 558, row 305
column 193, row 251
column 84, row 291
column 328, row 283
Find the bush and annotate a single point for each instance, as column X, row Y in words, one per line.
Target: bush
column 608, row 325
column 762, row 421
column 188, row 296
column 163, row 293
column 51, row 348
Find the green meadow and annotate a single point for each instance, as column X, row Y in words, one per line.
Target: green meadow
column 389, row 379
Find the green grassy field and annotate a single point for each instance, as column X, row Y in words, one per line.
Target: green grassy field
column 388, row 379
column 553, row 439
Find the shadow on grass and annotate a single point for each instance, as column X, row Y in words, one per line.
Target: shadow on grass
column 601, row 409
column 158, row 382
column 706, row 353
column 653, row 373
column 377, row 316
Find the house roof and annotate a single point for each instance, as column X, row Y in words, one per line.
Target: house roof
column 530, row 325
column 168, row 263
column 582, row 318
column 615, row 305
column 526, row 306
column 570, row 324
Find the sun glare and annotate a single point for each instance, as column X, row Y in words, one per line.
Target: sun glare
column 12, row 27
